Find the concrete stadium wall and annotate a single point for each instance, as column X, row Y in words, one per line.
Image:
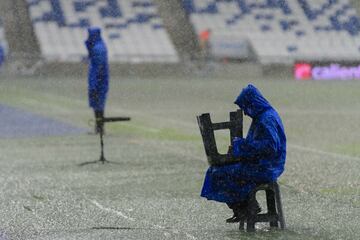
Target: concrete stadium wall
column 179, row 27
column 18, row 28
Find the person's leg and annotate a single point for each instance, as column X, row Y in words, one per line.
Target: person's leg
column 242, row 209
column 224, row 184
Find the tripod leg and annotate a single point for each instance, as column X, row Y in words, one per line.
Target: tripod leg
column 102, row 157
column 99, row 119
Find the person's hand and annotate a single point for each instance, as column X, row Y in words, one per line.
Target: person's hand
column 237, row 141
column 236, row 144
column 229, row 152
column 87, row 44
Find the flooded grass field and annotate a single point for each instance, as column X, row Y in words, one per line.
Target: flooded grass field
column 152, row 190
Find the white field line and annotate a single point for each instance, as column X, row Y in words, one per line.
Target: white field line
column 178, row 151
column 110, row 210
column 120, row 214
column 175, row 151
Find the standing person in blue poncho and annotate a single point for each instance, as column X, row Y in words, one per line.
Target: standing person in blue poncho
column 2, row 56
column 263, row 154
column 98, row 78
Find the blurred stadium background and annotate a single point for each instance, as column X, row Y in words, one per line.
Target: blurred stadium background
column 36, row 33
column 163, row 75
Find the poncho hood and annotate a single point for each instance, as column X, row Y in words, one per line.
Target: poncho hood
column 251, row 101
column 94, row 36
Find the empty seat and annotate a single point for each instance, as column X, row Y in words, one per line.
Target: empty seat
column 60, row 26
column 282, row 21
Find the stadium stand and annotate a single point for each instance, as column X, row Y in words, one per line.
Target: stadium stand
column 280, row 31
column 132, row 29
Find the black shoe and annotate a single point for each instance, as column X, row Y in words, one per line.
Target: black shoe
column 236, row 218
column 233, row 219
column 241, row 211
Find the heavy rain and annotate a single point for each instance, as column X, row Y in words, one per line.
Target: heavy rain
column 71, row 168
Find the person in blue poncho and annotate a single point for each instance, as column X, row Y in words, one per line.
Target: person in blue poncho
column 98, row 76
column 2, row 56
column 263, row 154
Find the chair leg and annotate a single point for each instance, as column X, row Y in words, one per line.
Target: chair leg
column 271, row 206
column 274, row 206
column 241, row 225
column 250, row 224
column 251, row 218
column 279, row 206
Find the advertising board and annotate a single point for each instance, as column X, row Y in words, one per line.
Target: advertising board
column 306, row 71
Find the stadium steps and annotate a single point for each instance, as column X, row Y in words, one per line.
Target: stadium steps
column 280, row 31
column 179, row 27
column 132, row 29
column 18, row 30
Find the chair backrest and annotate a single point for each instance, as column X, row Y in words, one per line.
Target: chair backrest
column 207, row 128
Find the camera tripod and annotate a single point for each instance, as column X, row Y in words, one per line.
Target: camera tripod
column 102, row 121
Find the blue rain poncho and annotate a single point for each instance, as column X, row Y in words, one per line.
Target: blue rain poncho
column 263, row 152
column 98, row 76
column 2, row 56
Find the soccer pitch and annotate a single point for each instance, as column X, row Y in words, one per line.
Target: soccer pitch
column 153, row 191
